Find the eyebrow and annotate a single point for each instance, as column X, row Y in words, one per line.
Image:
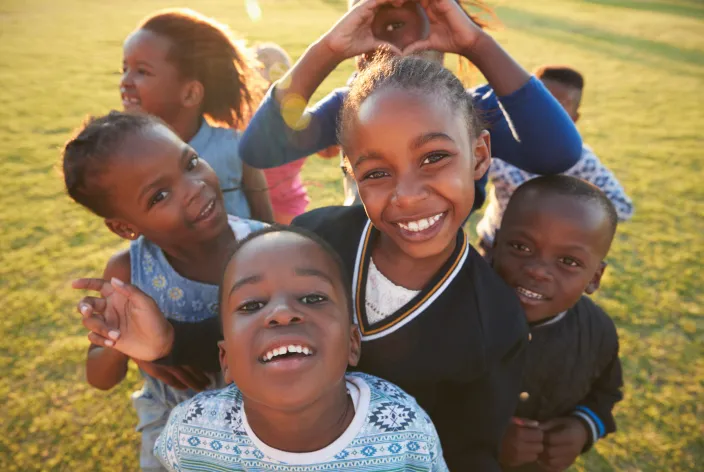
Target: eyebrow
column 251, row 280
column 302, row 271
column 428, row 137
column 415, row 144
column 309, row 271
column 186, row 152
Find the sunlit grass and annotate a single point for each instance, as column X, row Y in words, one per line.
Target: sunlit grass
column 643, row 114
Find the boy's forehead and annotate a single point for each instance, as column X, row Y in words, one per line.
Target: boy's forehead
column 549, row 212
column 274, row 251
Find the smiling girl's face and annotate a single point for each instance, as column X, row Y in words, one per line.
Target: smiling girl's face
column 415, row 162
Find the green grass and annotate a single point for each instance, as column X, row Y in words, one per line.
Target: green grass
column 643, row 114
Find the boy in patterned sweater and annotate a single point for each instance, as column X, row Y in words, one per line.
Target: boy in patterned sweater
column 566, row 85
column 288, row 339
column 554, row 237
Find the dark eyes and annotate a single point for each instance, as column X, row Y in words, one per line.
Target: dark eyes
column 256, row 305
column 377, row 174
column 251, row 307
column 435, row 157
column 394, row 26
column 519, row 247
column 313, row 299
column 192, row 163
column 568, row 261
column 159, row 196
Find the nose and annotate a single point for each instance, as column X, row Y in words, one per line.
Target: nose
column 538, row 270
column 194, row 190
column 126, row 79
column 409, row 191
column 282, row 314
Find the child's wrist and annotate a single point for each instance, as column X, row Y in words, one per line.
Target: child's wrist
column 484, row 45
column 325, row 51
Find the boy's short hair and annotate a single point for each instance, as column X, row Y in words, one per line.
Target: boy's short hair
column 561, row 186
column 275, row 228
column 561, row 74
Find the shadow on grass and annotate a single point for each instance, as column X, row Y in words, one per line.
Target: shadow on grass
column 686, row 8
column 617, row 46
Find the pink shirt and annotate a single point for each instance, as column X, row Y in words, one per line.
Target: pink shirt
column 286, row 190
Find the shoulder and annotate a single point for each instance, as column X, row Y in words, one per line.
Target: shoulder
column 387, row 400
column 594, row 318
column 215, row 409
column 502, row 319
column 119, row 266
column 333, row 219
column 242, row 227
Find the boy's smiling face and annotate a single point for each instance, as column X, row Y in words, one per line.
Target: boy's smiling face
column 415, row 163
column 550, row 249
column 288, row 332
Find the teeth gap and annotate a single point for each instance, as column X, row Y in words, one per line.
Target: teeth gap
column 286, row 351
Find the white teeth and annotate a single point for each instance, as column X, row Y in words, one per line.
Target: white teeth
column 291, row 348
column 530, row 294
column 422, row 224
column 207, row 209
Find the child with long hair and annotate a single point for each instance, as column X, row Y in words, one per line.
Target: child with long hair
column 153, row 190
column 435, row 319
column 529, row 128
column 187, row 69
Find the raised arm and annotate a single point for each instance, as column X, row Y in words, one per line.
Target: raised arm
column 282, row 130
column 541, row 137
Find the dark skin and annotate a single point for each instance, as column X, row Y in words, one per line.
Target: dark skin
column 160, row 189
column 283, row 289
column 551, row 249
column 413, row 160
column 568, row 96
column 151, row 83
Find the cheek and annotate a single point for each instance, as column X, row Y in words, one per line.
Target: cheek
column 375, row 198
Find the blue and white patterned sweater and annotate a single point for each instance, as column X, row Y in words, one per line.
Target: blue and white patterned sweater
column 389, row 432
column 506, row 178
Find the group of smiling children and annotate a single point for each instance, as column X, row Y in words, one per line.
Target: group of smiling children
column 362, row 337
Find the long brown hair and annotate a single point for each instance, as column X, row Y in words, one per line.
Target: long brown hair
column 205, row 50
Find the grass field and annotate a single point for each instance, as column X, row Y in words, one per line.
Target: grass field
column 643, row 113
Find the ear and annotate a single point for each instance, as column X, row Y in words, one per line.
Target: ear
column 122, row 229
column 223, row 362
column 482, row 154
column 355, row 346
column 596, row 280
column 192, row 94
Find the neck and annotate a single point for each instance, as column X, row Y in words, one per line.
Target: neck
column 306, row 430
column 201, row 260
column 404, row 270
column 186, row 125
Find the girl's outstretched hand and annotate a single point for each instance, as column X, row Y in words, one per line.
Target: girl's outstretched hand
column 124, row 318
column 451, row 29
column 352, row 35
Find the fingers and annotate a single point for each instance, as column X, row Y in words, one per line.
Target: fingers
column 416, row 47
column 96, row 285
column 89, row 305
column 100, row 340
column 525, row 422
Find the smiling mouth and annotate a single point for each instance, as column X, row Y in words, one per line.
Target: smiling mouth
column 422, row 224
column 286, row 352
column 530, row 294
column 207, row 211
column 127, row 100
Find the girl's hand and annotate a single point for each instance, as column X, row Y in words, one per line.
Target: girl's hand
column 352, row 35
column 125, row 319
column 451, row 29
